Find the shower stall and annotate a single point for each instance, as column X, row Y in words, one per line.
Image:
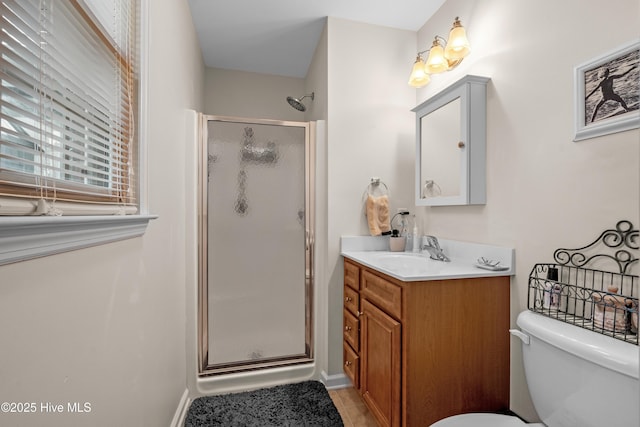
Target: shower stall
column 256, row 244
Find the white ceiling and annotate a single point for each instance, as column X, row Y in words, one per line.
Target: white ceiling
column 280, row 36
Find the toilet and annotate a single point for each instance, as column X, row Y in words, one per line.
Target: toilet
column 576, row 378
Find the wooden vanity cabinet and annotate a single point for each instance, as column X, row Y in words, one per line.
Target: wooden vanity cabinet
column 429, row 349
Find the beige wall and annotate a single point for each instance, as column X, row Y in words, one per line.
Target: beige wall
column 543, row 190
column 106, row 325
column 252, row 95
column 317, row 81
column 370, row 134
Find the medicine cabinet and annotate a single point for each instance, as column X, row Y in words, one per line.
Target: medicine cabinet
column 451, row 145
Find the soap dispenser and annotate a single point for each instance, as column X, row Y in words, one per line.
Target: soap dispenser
column 414, row 235
column 409, row 242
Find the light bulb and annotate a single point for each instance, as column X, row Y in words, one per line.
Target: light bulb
column 419, row 76
column 458, row 44
column 436, row 62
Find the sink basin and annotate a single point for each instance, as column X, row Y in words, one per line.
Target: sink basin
column 382, row 255
column 399, row 255
column 405, row 261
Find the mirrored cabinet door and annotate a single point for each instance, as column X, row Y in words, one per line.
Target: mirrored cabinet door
column 443, row 160
column 450, row 145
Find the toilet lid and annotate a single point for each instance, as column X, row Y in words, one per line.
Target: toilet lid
column 480, row 420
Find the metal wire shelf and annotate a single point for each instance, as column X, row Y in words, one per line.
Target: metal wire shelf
column 602, row 301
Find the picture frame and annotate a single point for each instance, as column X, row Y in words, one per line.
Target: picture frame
column 607, row 93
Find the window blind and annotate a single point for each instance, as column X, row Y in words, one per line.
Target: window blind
column 69, row 102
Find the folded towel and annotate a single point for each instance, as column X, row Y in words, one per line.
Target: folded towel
column 378, row 215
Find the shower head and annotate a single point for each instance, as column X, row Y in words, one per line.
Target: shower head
column 297, row 102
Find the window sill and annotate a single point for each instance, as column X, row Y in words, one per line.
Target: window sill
column 23, row 238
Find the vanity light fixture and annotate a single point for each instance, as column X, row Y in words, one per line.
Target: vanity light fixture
column 443, row 55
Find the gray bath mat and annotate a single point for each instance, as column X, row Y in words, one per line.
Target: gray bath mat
column 305, row 404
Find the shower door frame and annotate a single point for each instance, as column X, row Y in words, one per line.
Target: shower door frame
column 205, row 368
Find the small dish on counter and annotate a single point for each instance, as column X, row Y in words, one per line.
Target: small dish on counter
column 492, row 267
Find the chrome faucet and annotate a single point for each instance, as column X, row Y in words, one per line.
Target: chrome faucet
column 431, row 245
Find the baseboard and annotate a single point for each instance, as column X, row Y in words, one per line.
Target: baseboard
column 181, row 412
column 332, row 382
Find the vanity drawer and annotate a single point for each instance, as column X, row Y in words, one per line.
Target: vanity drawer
column 351, row 365
column 351, row 330
column 351, row 275
column 351, row 300
column 382, row 293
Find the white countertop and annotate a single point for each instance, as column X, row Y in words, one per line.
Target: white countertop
column 374, row 252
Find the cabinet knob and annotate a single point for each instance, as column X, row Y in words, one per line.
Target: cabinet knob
column 347, row 363
column 348, row 299
column 358, row 313
column 460, row 144
column 347, row 328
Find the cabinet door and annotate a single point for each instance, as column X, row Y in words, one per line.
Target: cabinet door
column 380, row 364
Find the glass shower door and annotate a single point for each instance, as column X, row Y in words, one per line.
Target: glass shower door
column 258, row 278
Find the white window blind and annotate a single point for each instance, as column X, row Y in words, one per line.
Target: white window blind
column 69, row 103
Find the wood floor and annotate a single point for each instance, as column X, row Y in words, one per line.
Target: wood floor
column 352, row 409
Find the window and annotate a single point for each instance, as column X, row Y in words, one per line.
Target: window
column 69, row 103
column 69, row 124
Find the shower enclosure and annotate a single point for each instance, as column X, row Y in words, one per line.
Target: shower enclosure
column 256, row 244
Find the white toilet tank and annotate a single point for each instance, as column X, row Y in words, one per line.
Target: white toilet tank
column 577, row 377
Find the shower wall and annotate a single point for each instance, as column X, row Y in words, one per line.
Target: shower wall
column 258, row 278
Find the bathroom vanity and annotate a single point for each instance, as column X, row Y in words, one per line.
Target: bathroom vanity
column 422, row 343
